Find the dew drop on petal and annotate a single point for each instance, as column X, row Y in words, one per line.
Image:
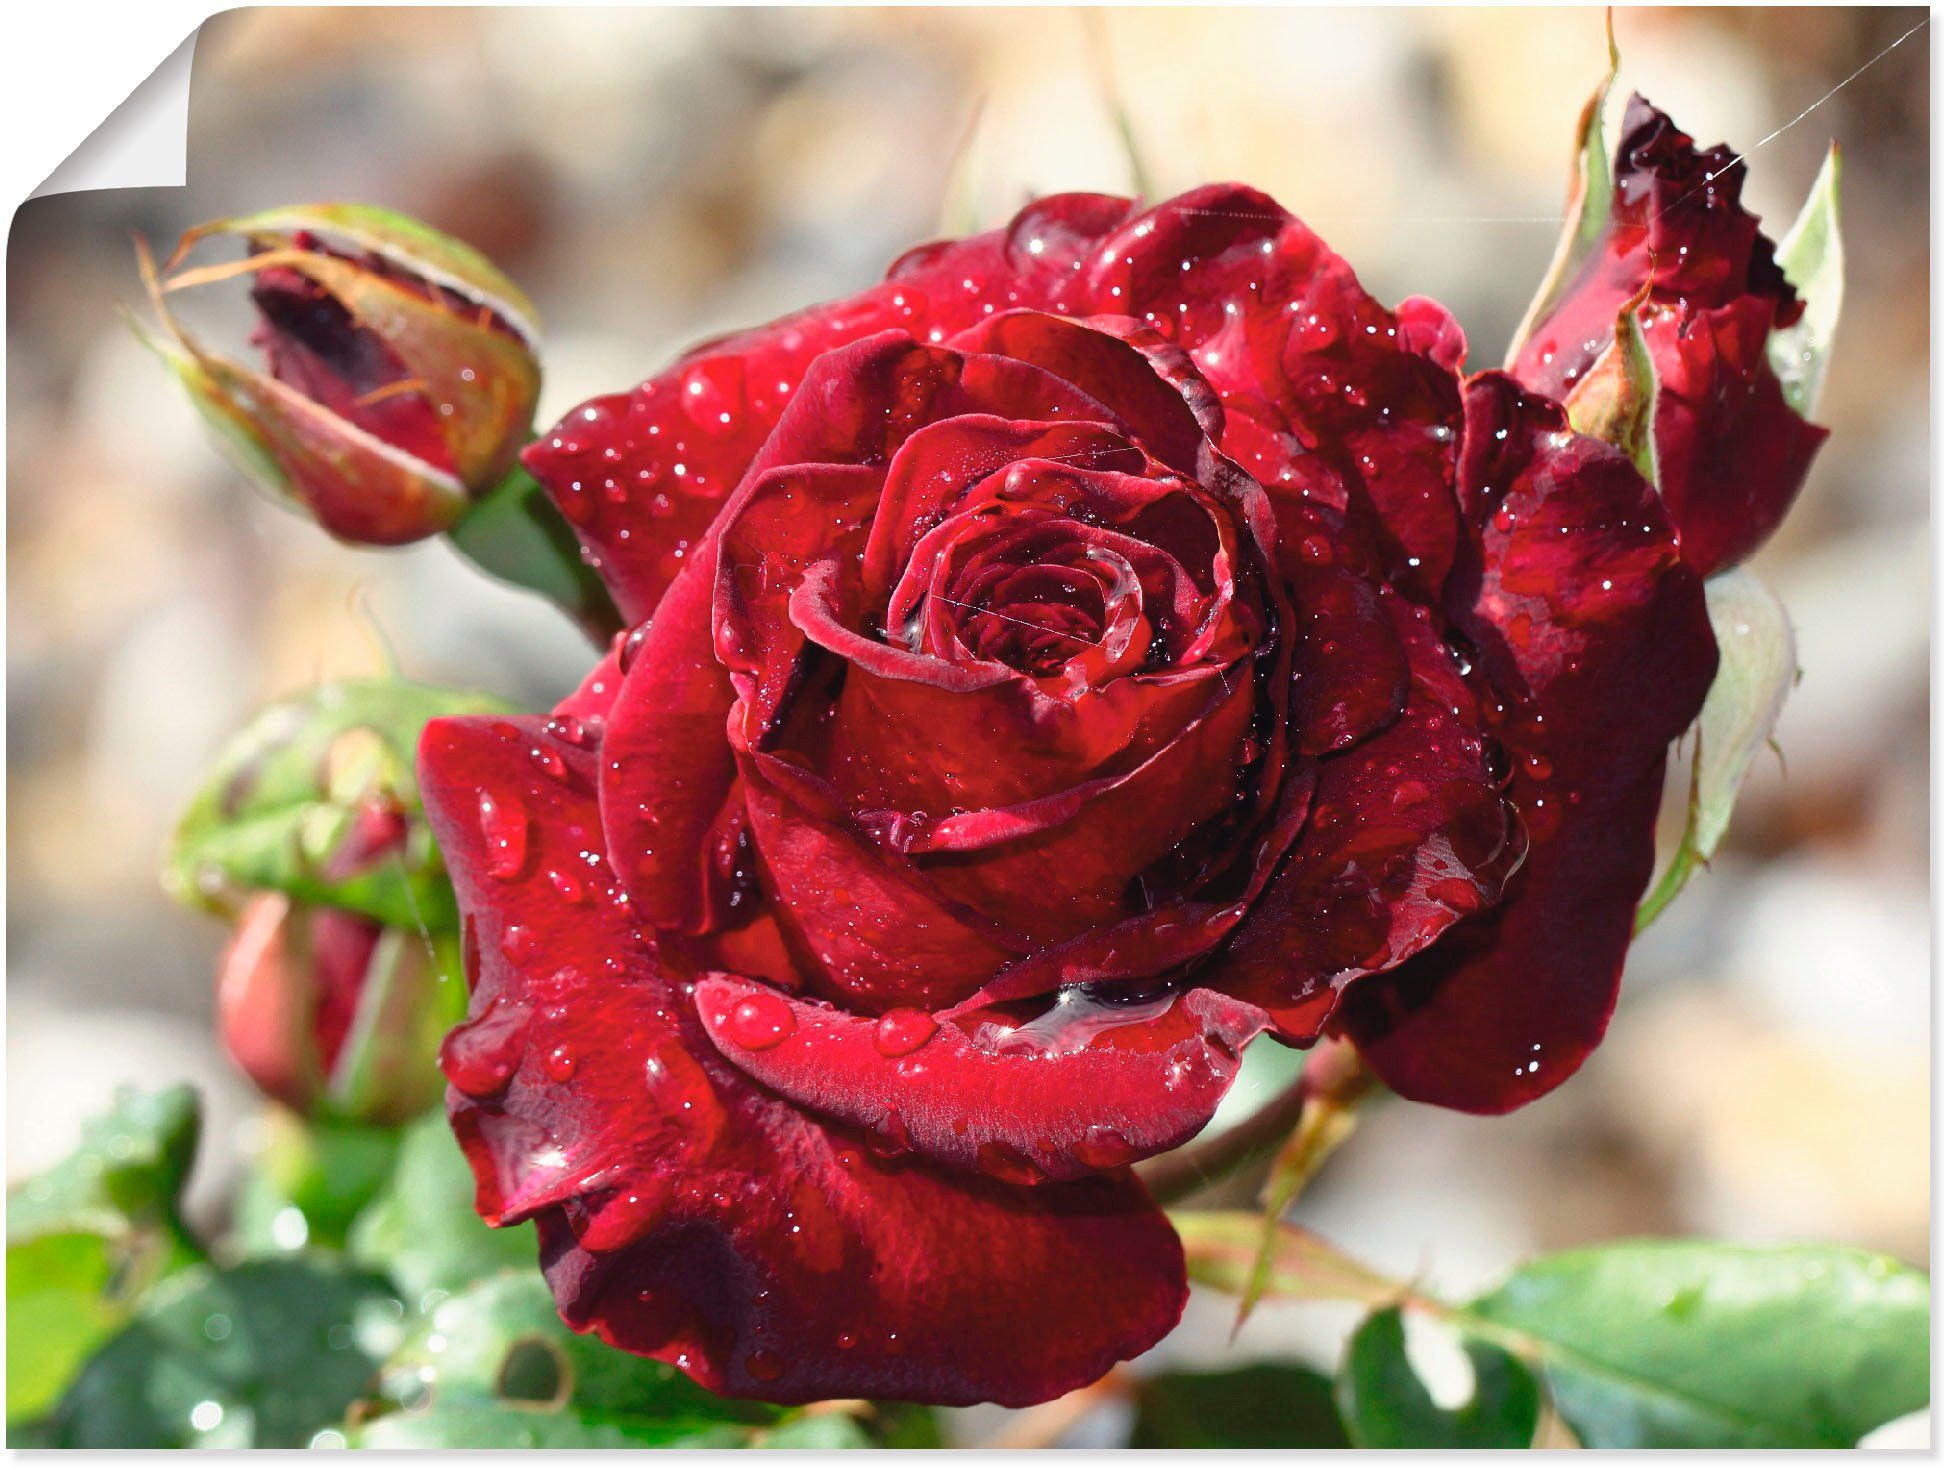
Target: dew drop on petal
column 504, row 827
column 904, row 1029
column 759, row 1021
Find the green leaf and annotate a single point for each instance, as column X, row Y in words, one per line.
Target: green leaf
column 88, row 1238
column 1677, row 1343
column 463, row 1422
column 126, row 1174
column 66, row 1295
column 310, row 1182
column 1757, row 665
column 514, row 533
column 287, row 789
column 1264, row 1406
column 1387, row 1405
column 1813, row 257
column 824, row 1431
column 1587, row 213
column 503, row 1339
column 263, row 1355
column 422, row 1229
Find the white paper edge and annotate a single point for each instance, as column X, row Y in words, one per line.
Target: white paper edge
column 143, row 143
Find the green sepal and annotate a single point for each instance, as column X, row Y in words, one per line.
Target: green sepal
column 287, row 789
column 1757, row 664
column 1587, row 212
column 515, row 534
column 1813, row 258
column 1616, row 400
column 411, row 244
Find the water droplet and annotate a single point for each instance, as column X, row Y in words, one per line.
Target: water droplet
column 504, row 826
column 904, row 1029
column 1007, row 1164
column 479, row 1056
column 764, row 1366
column 759, row 1021
column 1103, row 1148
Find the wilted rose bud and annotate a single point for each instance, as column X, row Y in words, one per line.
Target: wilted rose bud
column 402, row 367
column 1677, row 248
column 333, row 1014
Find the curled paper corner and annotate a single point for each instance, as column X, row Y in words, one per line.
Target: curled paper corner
column 143, row 143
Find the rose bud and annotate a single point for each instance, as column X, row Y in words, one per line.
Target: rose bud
column 1108, row 640
column 335, row 1015
column 400, row 375
column 1730, row 448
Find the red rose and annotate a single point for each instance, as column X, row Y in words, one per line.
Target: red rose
column 1731, row 452
column 1109, row 639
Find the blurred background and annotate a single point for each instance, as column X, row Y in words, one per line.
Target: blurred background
column 654, row 176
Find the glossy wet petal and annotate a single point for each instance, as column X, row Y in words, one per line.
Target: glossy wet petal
column 687, row 1214
column 1574, row 595
column 1079, row 1088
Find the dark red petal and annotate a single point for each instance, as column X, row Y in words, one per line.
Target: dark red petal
column 1086, row 1088
column 686, row 1214
column 1111, row 368
column 1324, row 391
column 643, row 474
column 940, row 464
column 1731, row 453
column 1349, row 670
column 870, row 928
column 312, row 343
column 1575, row 596
column 1056, row 866
column 595, row 696
column 1408, row 835
column 666, row 765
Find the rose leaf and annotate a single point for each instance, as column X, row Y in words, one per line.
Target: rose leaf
column 1472, row 1395
column 1651, row 1344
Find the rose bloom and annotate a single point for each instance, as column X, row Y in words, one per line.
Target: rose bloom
column 1108, row 640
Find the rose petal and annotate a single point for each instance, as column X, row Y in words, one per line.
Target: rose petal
column 687, row 1215
column 1408, row 835
column 667, row 769
column 1323, row 389
column 1574, row 594
column 1731, row 454
column 643, row 474
column 871, row 929
column 1101, row 357
column 1086, row 1087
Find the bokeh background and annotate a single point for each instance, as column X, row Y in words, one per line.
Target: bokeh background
column 655, row 176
